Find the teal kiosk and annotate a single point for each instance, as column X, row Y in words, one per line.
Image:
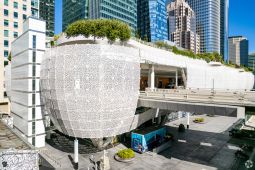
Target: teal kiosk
column 143, row 140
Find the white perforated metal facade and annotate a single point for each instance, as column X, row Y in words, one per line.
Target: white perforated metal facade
column 91, row 90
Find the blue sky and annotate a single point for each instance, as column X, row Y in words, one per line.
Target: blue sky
column 241, row 19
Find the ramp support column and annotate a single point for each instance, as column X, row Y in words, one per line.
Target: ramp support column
column 176, row 78
column 151, row 77
column 188, row 114
column 76, row 151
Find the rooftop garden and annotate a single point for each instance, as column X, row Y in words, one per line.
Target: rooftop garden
column 100, row 28
column 208, row 57
column 114, row 29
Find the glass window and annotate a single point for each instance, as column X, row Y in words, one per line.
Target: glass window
column 15, row 14
column 33, row 84
column 33, row 141
column 34, row 12
column 6, row 2
column 15, row 34
column 33, row 99
column 6, row 43
column 24, row 16
column 6, row 53
column 15, row 5
column 34, row 41
column 6, row 33
column 34, row 56
column 6, row 12
column 33, row 113
column 6, row 22
column 33, row 127
column 24, row 7
column 15, row 24
column 34, row 70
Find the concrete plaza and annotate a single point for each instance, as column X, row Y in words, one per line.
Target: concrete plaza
column 202, row 147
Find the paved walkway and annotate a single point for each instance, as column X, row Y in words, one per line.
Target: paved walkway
column 202, row 147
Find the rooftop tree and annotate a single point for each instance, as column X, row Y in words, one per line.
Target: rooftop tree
column 100, row 28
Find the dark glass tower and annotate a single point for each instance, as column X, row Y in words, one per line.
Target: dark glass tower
column 124, row 10
column 224, row 8
column 152, row 20
column 47, row 13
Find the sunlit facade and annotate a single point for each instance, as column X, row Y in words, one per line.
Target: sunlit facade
column 84, row 9
column 152, row 20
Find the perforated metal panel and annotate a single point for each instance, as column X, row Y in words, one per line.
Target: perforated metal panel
column 91, row 90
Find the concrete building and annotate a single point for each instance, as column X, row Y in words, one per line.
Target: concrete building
column 12, row 15
column 182, row 26
column 251, row 61
column 27, row 51
column 238, row 47
column 80, row 9
column 152, row 20
column 47, row 13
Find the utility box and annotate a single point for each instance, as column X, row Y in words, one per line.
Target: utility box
column 146, row 139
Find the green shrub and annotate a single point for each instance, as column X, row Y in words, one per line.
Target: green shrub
column 199, row 120
column 126, row 153
column 100, row 28
column 181, row 128
column 208, row 57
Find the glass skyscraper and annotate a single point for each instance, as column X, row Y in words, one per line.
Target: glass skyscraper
column 124, row 10
column 47, row 9
column 212, row 24
column 224, row 6
column 208, row 23
column 152, row 20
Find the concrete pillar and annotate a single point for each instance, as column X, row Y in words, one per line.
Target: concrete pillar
column 157, row 112
column 188, row 114
column 76, row 151
column 151, row 77
column 48, row 134
column 176, row 78
column 241, row 112
column 158, row 116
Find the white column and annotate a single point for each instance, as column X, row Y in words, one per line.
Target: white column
column 76, row 151
column 149, row 78
column 152, row 77
column 188, row 120
column 176, row 78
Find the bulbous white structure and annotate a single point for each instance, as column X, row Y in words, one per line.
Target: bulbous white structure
column 91, row 90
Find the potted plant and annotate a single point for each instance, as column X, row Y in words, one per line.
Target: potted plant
column 125, row 155
column 199, row 120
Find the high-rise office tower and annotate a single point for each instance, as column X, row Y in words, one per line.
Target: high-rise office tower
column 208, row 23
column 224, row 8
column 251, row 61
column 124, row 10
column 238, row 47
column 212, row 24
column 152, row 20
column 47, row 13
column 182, row 26
column 12, row 15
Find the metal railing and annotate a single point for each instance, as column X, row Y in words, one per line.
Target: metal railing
column 230, row 97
